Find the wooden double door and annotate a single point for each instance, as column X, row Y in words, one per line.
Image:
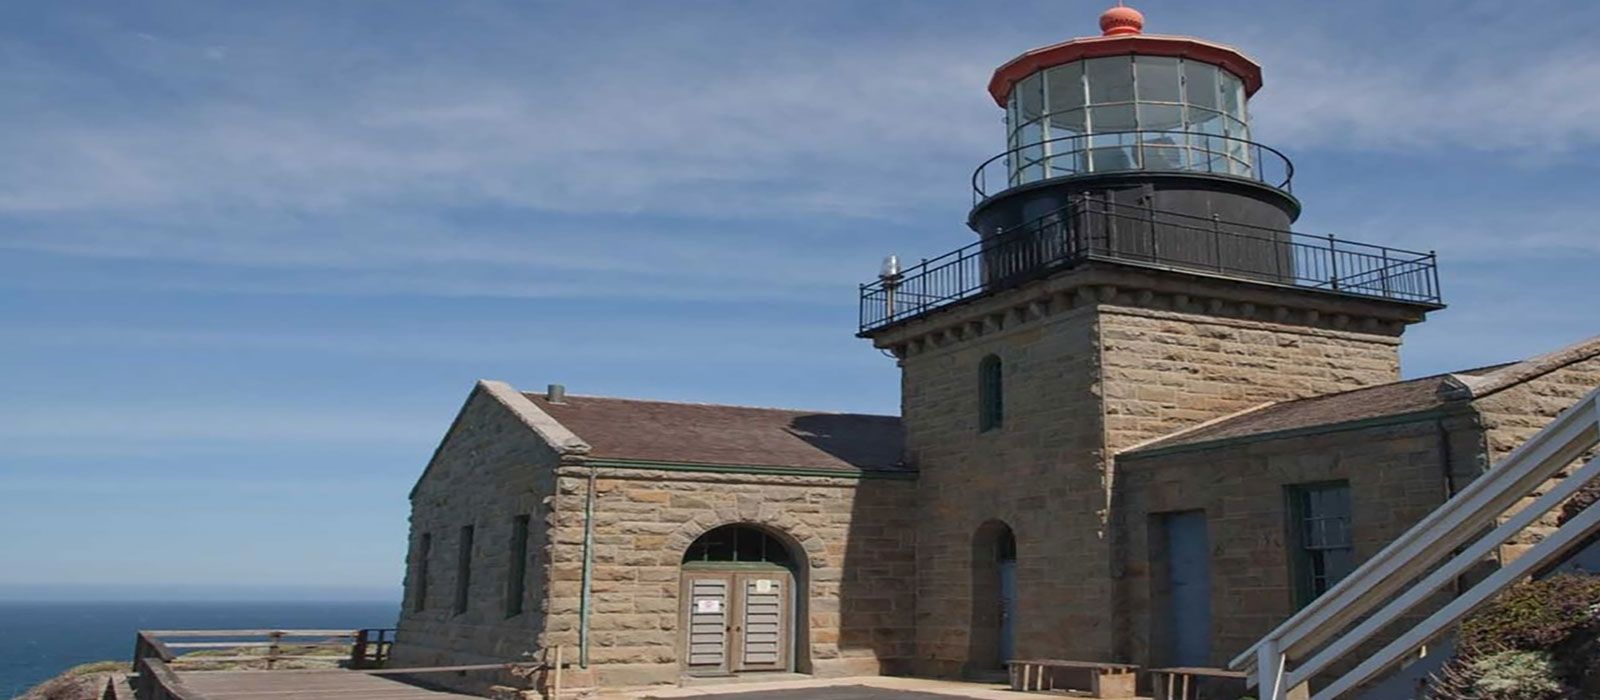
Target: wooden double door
column 737, row 620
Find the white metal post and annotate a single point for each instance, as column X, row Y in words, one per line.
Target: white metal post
column 1269, row 670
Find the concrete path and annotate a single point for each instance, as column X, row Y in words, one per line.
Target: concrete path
column 861, row 688
column 304, row 685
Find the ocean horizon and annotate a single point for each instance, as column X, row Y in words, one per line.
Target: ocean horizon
column 39, row 639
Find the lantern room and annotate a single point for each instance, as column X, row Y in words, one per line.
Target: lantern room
column 1128, row 108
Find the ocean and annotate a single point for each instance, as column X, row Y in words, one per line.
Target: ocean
column 39, row 640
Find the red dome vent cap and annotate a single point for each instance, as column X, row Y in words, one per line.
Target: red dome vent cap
column 1121, row 21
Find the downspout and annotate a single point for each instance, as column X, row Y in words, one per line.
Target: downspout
column 1447, row 462
column 1446, row 459
column 588, row 568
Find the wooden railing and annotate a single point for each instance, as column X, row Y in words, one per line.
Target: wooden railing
column 152, row 677
column 361, row 648
column 1430, row 557
column 155, row 664
column 371, row 649
column 155, row 661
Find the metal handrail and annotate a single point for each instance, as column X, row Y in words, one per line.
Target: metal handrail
column 1091, row 228
column 1078, row 158
column 1429, row 558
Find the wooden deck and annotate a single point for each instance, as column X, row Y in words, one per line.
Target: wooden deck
column 334, row 684
column 354, row 670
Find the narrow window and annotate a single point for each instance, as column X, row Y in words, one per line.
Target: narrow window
column 419, row 582
column 991, row 394
column 464, row 569
column 518, row 575
column 1319, row 530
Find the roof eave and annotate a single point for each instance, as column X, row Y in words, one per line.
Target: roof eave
column 754, row 469
column 1065, row 52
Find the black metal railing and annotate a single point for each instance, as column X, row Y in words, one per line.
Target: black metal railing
column 1116, row 151
column 1092, row 228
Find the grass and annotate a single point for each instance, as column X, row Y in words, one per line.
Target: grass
column 86, row 681
column 334, row 656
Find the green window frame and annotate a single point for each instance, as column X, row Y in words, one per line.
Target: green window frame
column 738, row 545
column 991, row 394
column 517, row 576
column 1320, row 538
column 464, row 569
column 419, row 580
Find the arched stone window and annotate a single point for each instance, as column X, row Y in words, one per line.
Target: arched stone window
column 991, row 394
column 743, row 591
column 742, row 544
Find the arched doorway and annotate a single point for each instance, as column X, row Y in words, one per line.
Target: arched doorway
column 992, row 634
column 740, row 602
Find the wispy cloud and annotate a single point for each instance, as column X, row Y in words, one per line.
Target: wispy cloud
column 458, row 344
column 132, row 421
column 763, row 126
column 1476, row 77
column 480, row 173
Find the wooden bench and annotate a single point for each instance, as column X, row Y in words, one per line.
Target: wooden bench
column 1105, row 680
column 1188, row 682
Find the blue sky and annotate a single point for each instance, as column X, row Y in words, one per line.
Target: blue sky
column 253, row 255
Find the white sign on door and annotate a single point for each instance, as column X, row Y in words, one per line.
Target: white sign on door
column 708, row 605
column 764, row 585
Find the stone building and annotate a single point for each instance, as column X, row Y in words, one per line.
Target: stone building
column 1140, row 421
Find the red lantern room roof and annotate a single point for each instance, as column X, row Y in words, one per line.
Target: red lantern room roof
column 1122, row 35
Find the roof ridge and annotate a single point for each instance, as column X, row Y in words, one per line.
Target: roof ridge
column 1369, row 387
column 1197, row 427
column 1511, row 374
column 776, row 409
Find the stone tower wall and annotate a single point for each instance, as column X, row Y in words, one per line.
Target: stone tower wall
column 1166, row 370
column 1087, row 372
column 1038, row 473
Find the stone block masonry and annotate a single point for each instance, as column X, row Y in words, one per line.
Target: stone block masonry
column 489, row 470
column 854, row 540
column 1080, row 382
column 1165, row 370
column 1396, row 474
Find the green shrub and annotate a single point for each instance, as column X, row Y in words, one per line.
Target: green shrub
column 1537, row 640
column 1516, row 675
column 1535, row 615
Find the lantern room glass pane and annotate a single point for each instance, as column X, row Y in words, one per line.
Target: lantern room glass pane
column 1111, row 145
column 1066, row 124
column 1110, row 79
column 1030, row 104
column 1065, row 84
column 1232, row 95
column 1128, row 112
column 1205, row 121
column 1160, row 117
column 1011, row 119
column 1029, row 161
column 1112, row 118
column 1200, row 84
column 1164, row 145
column 1067, row 142
column 1158, row 79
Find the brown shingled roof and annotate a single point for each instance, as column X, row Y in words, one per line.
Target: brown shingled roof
column 661, row 431
column 1379, row 401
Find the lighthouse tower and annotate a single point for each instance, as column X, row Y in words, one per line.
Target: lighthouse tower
column 1134, row 275
column 1146, row 120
